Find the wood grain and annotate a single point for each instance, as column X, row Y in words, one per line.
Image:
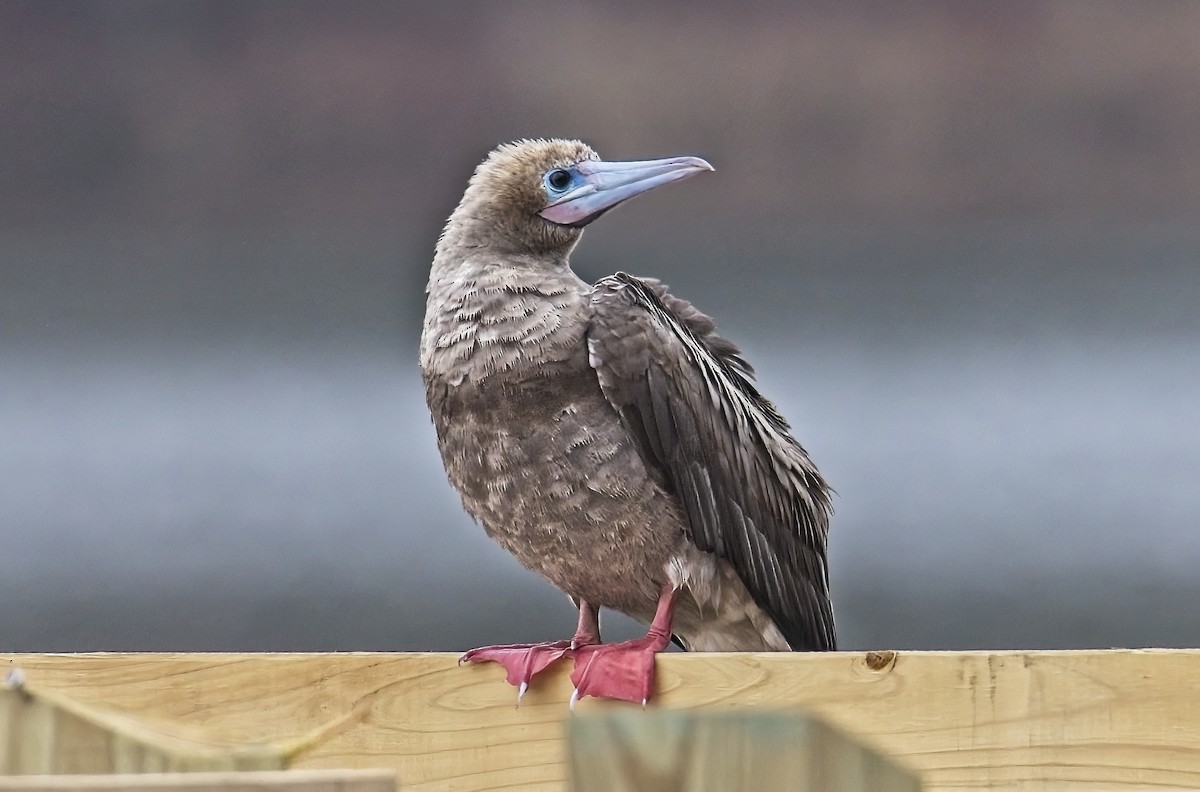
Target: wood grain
column 51, row 732
column 255, row 781
column 663, row 750
column 1029, row 721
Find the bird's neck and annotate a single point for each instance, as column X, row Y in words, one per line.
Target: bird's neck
column 486, row 315
column 477, row 225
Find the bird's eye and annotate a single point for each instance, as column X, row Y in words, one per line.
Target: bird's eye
column 558, row 179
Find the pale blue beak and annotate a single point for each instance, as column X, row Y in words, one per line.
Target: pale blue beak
column 598, row 186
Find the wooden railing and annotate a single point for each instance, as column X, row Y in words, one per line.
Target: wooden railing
column 1053, row 721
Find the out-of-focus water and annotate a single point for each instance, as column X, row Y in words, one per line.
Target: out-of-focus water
column 1028, row 486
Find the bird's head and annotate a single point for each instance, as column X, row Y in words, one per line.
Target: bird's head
column 537, row 195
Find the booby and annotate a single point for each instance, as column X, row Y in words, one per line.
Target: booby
column 607, row 437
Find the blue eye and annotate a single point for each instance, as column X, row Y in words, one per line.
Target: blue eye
column 558, row 179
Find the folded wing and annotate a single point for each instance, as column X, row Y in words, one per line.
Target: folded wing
column 750, row 493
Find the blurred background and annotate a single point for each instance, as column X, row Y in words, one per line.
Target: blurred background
column 958, row 239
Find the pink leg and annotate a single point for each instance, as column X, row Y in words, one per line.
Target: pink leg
column 587, row 632
column 524, row 661
column 625, row 670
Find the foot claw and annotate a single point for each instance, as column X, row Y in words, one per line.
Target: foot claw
column 521, row 692
column 574, row 699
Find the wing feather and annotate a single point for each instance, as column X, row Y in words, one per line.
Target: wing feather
column 750, row 492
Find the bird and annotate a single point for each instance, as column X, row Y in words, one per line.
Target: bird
column 608, row 437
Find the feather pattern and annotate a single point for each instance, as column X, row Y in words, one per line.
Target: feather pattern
column 749, row 491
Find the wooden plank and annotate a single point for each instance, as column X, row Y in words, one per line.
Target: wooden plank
column 53, row 733
column 256, row 781
column 750, row 751
column 1030, row 721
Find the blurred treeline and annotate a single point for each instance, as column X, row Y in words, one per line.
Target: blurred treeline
column 260, row 114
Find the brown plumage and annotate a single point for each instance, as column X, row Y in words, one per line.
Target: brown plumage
column 607, row 436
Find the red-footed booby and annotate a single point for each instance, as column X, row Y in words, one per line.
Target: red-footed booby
column 608, row 438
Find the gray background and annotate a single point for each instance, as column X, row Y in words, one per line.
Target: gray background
column 959, row 241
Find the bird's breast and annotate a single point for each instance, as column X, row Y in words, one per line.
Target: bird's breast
column 545, row 466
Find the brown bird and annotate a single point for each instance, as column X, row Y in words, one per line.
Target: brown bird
column 606, row 435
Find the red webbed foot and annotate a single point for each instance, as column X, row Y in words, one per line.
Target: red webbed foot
column 618, row 671
column 624, row 670
column 522, row 662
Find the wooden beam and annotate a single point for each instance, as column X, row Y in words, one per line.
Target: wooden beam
column 254, row 781
column 53, row 733
column 1031, row 721
column 749, row 751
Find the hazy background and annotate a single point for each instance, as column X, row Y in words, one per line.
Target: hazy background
column 959, row 240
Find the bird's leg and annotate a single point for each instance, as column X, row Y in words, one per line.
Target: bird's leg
column 523, row 662
column 587, row 632
column 625, row 670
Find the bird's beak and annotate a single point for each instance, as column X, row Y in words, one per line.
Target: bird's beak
column 606, row 184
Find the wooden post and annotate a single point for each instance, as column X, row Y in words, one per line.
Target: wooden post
column 47, row 733
column 51, row 743
column 664, row 751
column 255, row 781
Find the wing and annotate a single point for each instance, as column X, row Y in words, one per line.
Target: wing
column 750, row 493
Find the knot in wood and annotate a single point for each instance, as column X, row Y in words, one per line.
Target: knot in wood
column 881, row 661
